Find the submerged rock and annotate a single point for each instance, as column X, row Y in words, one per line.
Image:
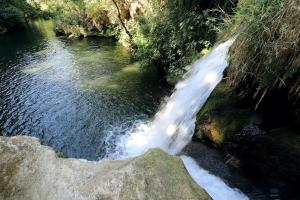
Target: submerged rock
column 29, row 170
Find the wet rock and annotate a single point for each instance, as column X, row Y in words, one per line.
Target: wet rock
column 263, row 144
column 29, row 170
column 250, row 130
column 215, row 162
column 248, row 134
column 273, row 157
column 223, row 116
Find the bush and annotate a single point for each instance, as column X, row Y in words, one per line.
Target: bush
column 14, row 13
column 266, row 54
column 87, row 18
column 171, row 34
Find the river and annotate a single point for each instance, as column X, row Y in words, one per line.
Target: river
column 71, row 94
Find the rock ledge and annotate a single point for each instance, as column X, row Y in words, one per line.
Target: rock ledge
column 29, row 170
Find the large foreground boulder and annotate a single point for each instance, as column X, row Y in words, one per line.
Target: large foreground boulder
column 30, row 171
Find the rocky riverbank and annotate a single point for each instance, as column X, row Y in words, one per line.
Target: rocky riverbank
column 29, row 170
column 263, row 143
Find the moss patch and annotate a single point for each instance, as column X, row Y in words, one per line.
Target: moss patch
column 222, row 116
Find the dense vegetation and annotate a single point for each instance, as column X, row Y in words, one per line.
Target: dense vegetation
column 170, row 35
column 78, row 18
column 266, row 55
column 15, row 13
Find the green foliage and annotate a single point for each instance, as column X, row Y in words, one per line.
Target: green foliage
column 170, row 34
column 11, row 16
column 14, row 13
column 266, row 54
column 76, row 18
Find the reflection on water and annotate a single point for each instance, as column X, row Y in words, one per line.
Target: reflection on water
column 69, row 93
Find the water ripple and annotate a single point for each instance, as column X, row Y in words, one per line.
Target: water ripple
column 68, row 93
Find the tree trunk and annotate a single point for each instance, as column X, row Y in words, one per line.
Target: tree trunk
column 120, row 18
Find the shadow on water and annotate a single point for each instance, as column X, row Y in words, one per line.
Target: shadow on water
column 71, row 93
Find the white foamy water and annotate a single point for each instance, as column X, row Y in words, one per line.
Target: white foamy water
column 213, row 185
column 173, row 126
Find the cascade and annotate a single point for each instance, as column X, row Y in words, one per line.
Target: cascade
column 173, row 126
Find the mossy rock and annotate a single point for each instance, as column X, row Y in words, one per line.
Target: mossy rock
column 222, row 116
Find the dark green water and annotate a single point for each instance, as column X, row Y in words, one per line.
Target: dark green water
column 76, row 96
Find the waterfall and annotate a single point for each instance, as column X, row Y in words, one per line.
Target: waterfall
column 213, row 185
column 173, row 126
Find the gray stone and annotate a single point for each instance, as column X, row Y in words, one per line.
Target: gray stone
column 30, row 171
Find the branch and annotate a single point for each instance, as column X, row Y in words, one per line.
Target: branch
column 261, row 98
column 120, row 18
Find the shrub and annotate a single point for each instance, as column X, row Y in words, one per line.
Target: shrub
column 14, row 13
column 170, row 34
column 86, row 18
column 266, row 54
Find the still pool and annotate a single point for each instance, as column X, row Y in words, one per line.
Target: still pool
column 75, row 95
